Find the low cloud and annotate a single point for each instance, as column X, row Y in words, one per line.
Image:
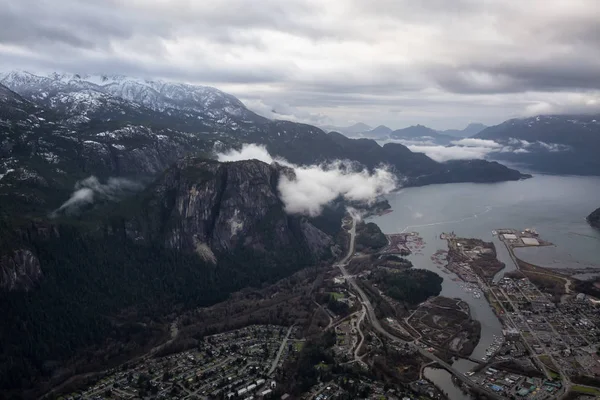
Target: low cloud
column 472, row 142
column 447, row 153
column 411, row 142
column 247, row 152
column 519, row 142
column 478, row 149
column 90, row 190
column 569, row 103
column 280, row 110
column 523, row 146
column 553, row 147
column 315, row 186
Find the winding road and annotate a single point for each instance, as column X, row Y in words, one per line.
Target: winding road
column 362, row 337
column 377, row 326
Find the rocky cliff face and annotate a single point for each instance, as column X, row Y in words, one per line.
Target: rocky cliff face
column 20, row 267
column 212, row 208
column 19, row 270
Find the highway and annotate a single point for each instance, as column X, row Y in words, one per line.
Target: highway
column 377, row 326
column 281, row 348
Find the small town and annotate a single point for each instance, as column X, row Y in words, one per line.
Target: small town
column 366, row 337
column 237, row 364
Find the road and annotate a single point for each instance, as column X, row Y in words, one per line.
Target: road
column 281, row 348
column 326, row 312
column 566, row 382
column 362, row 337
column 377, row 326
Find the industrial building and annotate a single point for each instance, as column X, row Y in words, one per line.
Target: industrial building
column 530, row 241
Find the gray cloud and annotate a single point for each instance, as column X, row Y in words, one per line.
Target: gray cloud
column 90, row 190
column 315, row 186
column 471, row 148
column 438, row 62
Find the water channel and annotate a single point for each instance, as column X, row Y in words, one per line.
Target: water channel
column 556, row 206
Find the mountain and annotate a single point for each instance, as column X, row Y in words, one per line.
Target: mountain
column 381, row 131
column 44, row 155
column 209, row 207
column 471, row 130
column 60, row 129
column 563, row 144
column 420, row 133
column 98, row 288
column 90, row 270
column 415, row 169
column 356, row 131
column 358, row 127
column 594, row 218
column 91, row 96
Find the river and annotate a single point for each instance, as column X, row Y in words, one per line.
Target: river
column 556, row 206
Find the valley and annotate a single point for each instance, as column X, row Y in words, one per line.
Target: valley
column 300, row 200
column 516, row 364
column 169, row 248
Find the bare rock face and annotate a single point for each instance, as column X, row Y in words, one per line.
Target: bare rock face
column 210, row 207
column 317, row 240
column 19, row 270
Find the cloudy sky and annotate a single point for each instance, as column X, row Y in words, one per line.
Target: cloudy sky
column 442, row 63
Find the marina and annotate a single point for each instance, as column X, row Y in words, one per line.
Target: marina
column 530, row 203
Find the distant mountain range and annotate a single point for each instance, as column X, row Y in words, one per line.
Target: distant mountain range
column 60, row 128
column 415, row 132
column 471, row 130
column 187, row 230
column 420, row 133
column 561, row 144
column 379, row 131
column 556, row 144
column 359, row 127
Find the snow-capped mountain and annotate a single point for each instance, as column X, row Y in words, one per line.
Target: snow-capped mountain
column 43, row 155
column 570, row 130
column 563, row 144
column 60, row 128
column 83, row 97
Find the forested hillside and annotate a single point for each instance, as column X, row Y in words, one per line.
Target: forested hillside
column 109, row 278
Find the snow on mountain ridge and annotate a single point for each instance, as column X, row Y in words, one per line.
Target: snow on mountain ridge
column 156, row 95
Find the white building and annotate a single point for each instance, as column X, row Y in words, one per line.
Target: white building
column 530, row 241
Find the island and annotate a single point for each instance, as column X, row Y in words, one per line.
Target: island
column 594, row 218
